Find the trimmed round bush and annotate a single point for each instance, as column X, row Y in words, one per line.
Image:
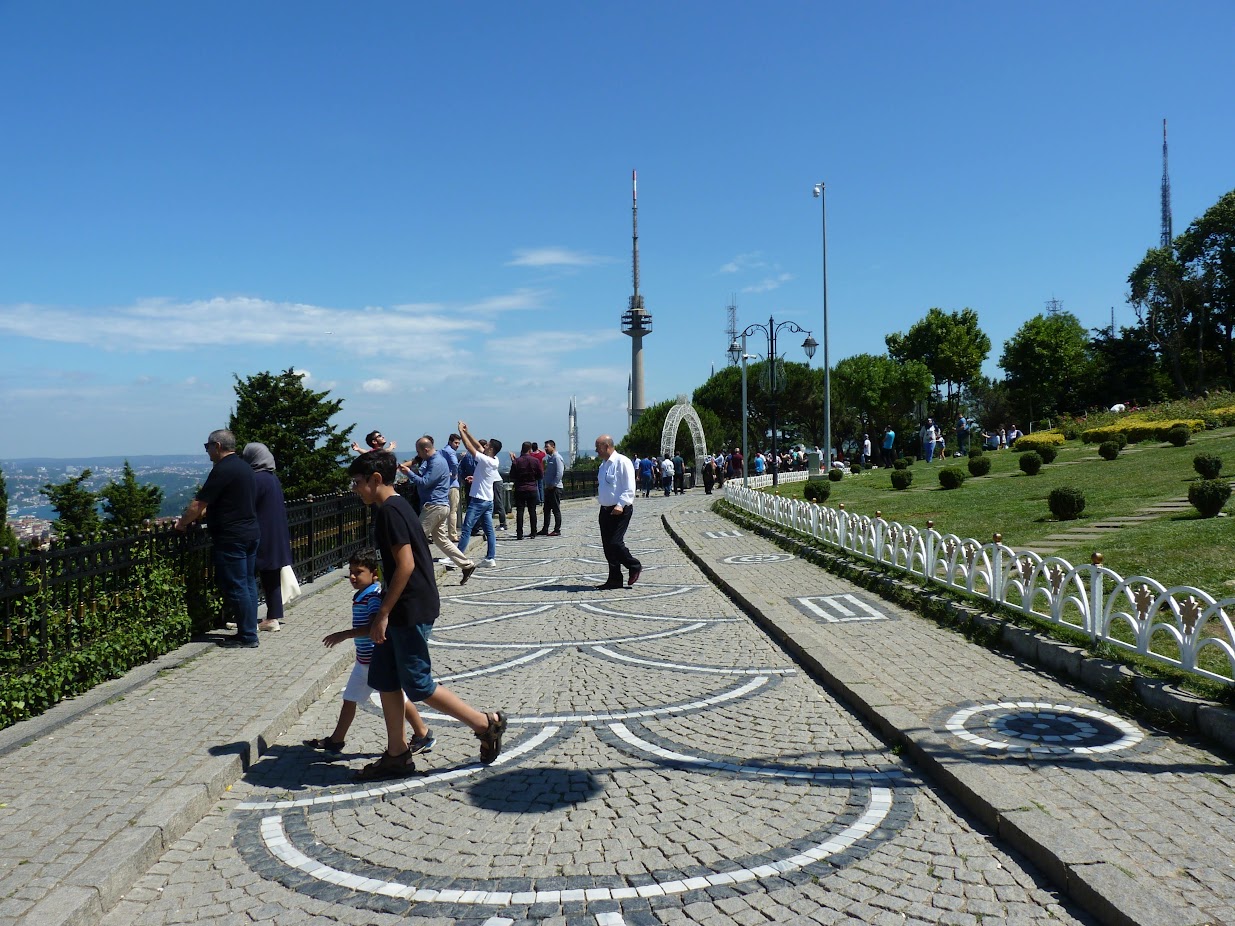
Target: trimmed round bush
column 900, row 463
column 952, row 477
column 1207, row 464
column 1067, row 502
column 855, row 466
column 1121, row 439
column 1030, row 463
column 909, row 460
column 1179, row 435
column 1047, row 453
column 975, row 452
column 979, row 466
column 901, row 478
column 1109, row 449
column 836, row 474
column 1208, row 496
column 817, row 491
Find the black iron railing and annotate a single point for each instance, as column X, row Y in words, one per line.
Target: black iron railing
column 64, row 598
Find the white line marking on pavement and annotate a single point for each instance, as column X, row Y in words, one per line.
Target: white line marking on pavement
column 498, row 921
column 753, row 685
column 692, row 668
column 840, row 604
column 275, row 838
column 613, row 612
column 610, row 919
column 535, row 643
column 627, row 595
column 501, row 617
column 763, row 771
column 465, row 771
column 488, row 670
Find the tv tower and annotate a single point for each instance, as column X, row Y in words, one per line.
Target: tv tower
column 635, row 321
column 1167, row 237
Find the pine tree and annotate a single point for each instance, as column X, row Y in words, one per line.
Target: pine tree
column 278, row 410
column 77, row 509
column 128, row 503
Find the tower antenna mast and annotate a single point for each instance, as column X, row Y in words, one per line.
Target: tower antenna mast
column 1167, row 236
column 636, row 322
column 731, row 331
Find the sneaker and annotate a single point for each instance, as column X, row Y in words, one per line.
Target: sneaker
column 487, row 563
column 502, row 527
column 237, row 643
column 554, row 534
column 273, row 626
column 467, row 574
column 418, row 744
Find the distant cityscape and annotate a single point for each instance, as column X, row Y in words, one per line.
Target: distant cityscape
column 31, row 516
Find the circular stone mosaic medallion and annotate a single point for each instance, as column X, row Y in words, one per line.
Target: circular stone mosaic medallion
column 1038, row 729
column 756, row 559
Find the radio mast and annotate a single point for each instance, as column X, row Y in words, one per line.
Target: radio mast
column 636, row 322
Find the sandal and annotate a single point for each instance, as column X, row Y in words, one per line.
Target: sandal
column 324, row 743
column 491, row 738
column 387, row 766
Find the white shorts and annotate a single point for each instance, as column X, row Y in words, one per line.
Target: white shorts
column 357, row 689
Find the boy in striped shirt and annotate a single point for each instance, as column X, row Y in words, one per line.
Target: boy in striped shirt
column 362, row 573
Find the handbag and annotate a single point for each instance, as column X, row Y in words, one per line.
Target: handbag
column 288, row 584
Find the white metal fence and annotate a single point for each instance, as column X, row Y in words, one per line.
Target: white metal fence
column 1182, row 626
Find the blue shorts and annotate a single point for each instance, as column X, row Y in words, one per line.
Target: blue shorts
column 403, row 662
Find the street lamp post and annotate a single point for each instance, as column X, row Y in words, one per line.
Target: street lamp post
column 771, row 329
column 827, row 367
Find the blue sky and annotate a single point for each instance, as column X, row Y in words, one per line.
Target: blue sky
column 427, row 206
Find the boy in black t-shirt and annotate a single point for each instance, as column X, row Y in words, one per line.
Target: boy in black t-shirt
column 401, row 628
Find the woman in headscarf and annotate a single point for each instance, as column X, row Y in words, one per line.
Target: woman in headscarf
column 274, row 549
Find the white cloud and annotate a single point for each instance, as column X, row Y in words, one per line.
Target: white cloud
column 554, row 257
column 767, row 284
column 532, row 348
column 166, row 325
column 752, row 260
column 377, row 385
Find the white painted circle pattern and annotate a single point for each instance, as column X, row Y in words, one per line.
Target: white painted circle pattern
column 1040, row 729
column 757, row 559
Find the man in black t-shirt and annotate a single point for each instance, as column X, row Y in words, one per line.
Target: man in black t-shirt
column 227, row 500
column 400, row 630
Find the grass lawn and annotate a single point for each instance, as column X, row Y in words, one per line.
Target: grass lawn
column 1178, row 549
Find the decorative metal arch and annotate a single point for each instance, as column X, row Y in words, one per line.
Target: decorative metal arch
column 668, row 435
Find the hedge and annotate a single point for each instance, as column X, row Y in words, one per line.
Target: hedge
column 1137, row 430
column 1038, row 440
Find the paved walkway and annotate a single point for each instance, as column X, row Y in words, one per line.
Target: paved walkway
column 667, row 763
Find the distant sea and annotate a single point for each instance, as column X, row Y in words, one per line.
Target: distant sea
column 178, row 475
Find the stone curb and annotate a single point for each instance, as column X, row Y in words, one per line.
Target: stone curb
column 1072, row 859
column 102, row 880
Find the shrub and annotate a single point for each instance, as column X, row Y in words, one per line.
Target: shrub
column 900, row 463
column 1067, row 502
column 1121, row 439
column 1030, row 463
column 1047, row 452
column 1207, row 464
column 1108, row 450
column 909, row 460
column 979, row 466
column 952, row 477
column 1178, row 435
column 975, row 452
column 901, row 478
column 1038, row 440
column 817, row 491
column 1136, row 430
column 836, row 474
column 1208, row 496
column 855, row 466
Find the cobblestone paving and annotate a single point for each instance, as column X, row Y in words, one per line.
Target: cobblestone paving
column 1162, row 802
column 665, row 763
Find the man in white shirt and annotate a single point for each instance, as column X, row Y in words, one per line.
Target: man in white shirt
column 616, row 490
column 480, row 496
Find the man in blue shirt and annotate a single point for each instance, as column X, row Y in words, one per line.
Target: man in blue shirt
column 430, row 473
column 451, row 453
column 554, row 467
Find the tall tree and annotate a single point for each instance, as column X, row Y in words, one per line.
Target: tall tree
column 1047, row 364
column 1167, row 298
column 77, row 509
column 1124, row 368
column 644, row 438
column 8, row 540
column 128, row 503
column 873, row 391
column 951, row 344
column 278, row 410
column 1207, row 249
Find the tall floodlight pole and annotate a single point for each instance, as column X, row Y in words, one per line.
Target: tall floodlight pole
column 636, row 322
column 827, row 367
column 745, row 451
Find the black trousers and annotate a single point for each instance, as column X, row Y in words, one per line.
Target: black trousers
column 613, row 540
column 553, row 506
column 525, row 500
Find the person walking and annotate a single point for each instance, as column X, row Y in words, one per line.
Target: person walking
column 451, row 453
column 274, row 547
column 431, row 477
column 616, row 491
column 480, row 501
column 679, row 474
column 229, row 493
column 555, row 466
